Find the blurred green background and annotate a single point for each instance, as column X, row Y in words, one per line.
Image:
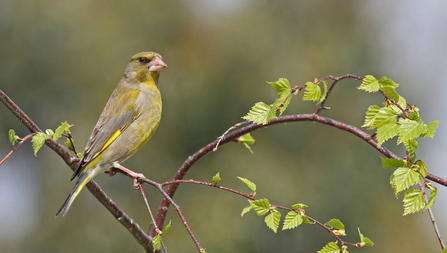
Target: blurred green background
column 60, row 60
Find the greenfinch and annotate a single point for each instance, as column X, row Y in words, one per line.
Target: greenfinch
column 128, row 121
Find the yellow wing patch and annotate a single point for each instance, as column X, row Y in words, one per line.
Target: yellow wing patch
column 114, row 136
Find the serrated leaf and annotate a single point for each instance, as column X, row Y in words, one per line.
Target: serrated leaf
column 331, row 247
column 386, row 132
column 385, row 82
column 298, row 206
column 250, row 184
column 431, row 201
column 38, row 141
column 63, row 128
column 403, row 178
column 365, row 240
column 312, row 92
column 216, row 179
column 12, row 136
column 246, row 210
column 413, row 201
column 414, row 116
column 370, row 115
column 422, row 168
column 323, row 97
column 391, row 92
column 411, row 146
column 369, row 84
column 156, row 242
column 166, row 229
column 384, row 116
column 282, row 86
column 261, row 206
column 410, row 129
column 389, row 163
column 402, row 102
column 261, row 113
column 292, row 220
column 272, row 220
column 335, row 223
column 431, row 129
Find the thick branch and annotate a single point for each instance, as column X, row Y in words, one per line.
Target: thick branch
column 93, row 187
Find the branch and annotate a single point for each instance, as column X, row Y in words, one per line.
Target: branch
column 72, row 162
column 163, row 209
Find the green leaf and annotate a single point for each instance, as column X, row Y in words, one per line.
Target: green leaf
column 385, row 82
column 216, row 179
column 12, row 136
column 402, row 102
column 284, row 90
column 371, row 115
column 391, row 92
column 403, row 178
column 292, row 220
column 369, row 84
column 386, row 132
column 431, row 201
column 156, row 242
column 422, row 168
column 246, row 210
column 261, row 113
column 250, row 184
column 312, row 92
column 261, row 206
column 384, row 116
column 365, row 240
column 306, row 220
column 38, row 141
column 388, row 163
column 247, row 140
column 410, row 129
column 335, row 223
column 331, row 247
column 298, row 206
column 64, row 128
column 69, row 144
column 413, row 201
column 202, row 250
column 414, row 116
column 166, row 229
column 282, row 86
column 431, row 129
column 272, row 220
column 411, row 146
column 444, row 251
column 323, row 97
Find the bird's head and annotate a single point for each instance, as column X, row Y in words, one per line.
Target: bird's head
column 144, row 67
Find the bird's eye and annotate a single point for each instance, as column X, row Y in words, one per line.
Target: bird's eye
column 142, row 59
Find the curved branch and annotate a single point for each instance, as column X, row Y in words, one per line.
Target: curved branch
column 93, row 187
column 163, row 209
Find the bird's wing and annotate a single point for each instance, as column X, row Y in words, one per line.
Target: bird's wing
column 113, row 121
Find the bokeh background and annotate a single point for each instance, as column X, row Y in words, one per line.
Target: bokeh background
column 60, row 60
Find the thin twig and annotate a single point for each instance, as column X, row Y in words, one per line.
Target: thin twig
column 16, row 147
column 228, row 130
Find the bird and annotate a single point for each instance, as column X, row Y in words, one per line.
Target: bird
column 127, row 122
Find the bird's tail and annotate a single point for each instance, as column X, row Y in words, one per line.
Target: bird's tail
column 80, row 183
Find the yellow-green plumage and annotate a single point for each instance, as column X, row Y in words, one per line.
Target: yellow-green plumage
column 128, row 121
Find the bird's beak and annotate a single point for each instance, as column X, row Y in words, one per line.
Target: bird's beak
column 156, row 64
